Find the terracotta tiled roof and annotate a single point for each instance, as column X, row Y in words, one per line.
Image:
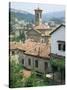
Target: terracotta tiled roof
column 22, row 46
column 12, row 45
column 16, row 45
column 42, row 26
column 32, row 48
column 40, row 50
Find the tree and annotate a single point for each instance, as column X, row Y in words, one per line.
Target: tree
column 54, row 66
column 58, row 65
column 61, row 68
column 15, row 75
column 31, row 81
column 22, row 36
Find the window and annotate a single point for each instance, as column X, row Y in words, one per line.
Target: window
column 22, row 61
column 36, row 63
column 64, row 47
column 61, row 46
column 13, row 52
column 45, row 66
column 29, row 61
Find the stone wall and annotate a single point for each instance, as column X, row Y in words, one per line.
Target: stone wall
column 41, row 61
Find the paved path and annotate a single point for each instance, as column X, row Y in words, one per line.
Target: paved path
column 26, row 73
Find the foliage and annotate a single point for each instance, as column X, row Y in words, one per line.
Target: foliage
column 15, row 74
column 60, row 63
column 31, row 81
column 34, row 81
column 22, row 36
column 18, row 38
column 59, row 66
column 17, row 79
column 25, row 16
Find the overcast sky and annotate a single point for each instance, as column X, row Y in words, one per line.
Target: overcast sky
column 29, row 7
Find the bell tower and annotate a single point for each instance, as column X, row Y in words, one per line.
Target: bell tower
column 38, row 16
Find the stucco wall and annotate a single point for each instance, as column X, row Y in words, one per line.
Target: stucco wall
column 58, row 35
column 32, row 66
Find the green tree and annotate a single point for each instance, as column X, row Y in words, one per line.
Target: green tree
column 22, row 36
column 61, row 69
column 54, row 66
column 59, row 66
column 15, row 75
column 31, row 81
column 34, row 81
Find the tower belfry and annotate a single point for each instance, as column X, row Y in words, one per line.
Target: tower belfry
column 38, row 16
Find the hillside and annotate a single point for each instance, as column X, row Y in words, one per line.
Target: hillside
column 59, row 15
column 22, row 15
column 28, row 17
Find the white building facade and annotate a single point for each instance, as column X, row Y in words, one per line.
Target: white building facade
column 58, row 41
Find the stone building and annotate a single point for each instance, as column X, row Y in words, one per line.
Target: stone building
column 33, row 55
column 42, row 31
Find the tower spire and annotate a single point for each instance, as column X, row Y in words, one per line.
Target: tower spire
column 38, row 16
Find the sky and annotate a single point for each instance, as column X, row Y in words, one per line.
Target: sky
column 29, row 7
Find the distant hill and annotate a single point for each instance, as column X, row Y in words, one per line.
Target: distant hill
column 59, row 15
column 26, row 16
column 22, row 15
